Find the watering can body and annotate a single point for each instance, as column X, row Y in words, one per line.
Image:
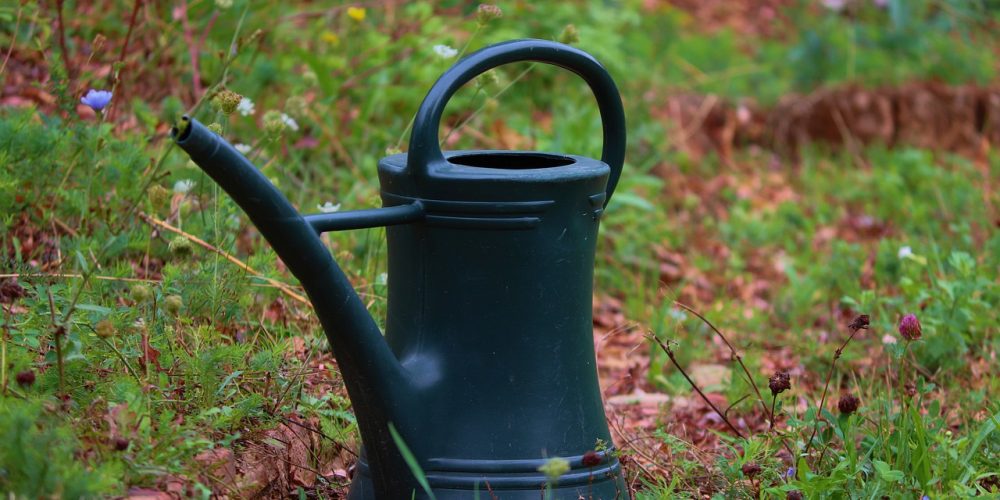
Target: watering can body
column 487, row 366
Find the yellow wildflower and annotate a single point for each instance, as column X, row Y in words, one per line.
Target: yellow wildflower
column 356, row 13
column 330, row 38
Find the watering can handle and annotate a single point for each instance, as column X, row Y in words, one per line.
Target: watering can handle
column 425, row 153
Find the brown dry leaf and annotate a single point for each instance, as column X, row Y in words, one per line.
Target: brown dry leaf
column 150, row 355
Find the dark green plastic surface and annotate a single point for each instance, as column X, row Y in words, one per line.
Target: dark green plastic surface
column 487, row 366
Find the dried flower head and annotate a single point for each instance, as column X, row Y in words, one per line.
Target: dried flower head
column 96, row 99
column 848, row 404
column 779, row 382
column 793, row 495
column 274, row 124
column 173, row 304
column 215, row 127
column 909, row 327
column 181, row 246
column 227, row 101
column 486, row 13
column 120, row 443
column 105, row 328
column 569, row 35
column 591, row 459
column 297, row 106
column 859, row 323
column 158, row 195
column 25, row 378
column 910, row 389
column 751, row 469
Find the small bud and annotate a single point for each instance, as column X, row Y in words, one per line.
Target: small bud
column 910, row 389
column 491, row 105
column 553, row 468
column 274, row 124
column 909, row 327
column 859, row 323
column 751, row 469
column 310, row 78
column 226, row 101
column 173, row 304
column 569, row 35
column 141, row 293
column 181, row 246
column 779, row 382
column 487, row 80
column 120, row 443
column 25, row 379
column 296, row 106
column 105, row 329
column 591, row 459
column 158, row 195
column 215, row 127
column 486, row 13
column 848, row 404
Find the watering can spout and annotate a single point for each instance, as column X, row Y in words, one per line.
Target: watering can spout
column 374, row 377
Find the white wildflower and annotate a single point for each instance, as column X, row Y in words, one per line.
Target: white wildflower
column 328, row 207
column 245, row 107
column 445, row 52
column 834, row 5
column 888, row 339
column 904, row 252
column 183, row 186
column 290, row 122
column 242, row 148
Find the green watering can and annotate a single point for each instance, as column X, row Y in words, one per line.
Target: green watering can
column 487, row 366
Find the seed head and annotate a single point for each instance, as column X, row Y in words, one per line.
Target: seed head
column 569, row 35
column 274, row 124
column 181, row 246
column 751, row 469
column 173, row 304
column 909, row 327
column 215, row 127
column 120, row 443
column 105, row 328
column 141, row 293
column 158, row 195
column 848, row 404
column 25, row 379
column 591, row 459
column 486, row 13
column 310, row 78
column 226, row 101
column 779, row 382
column 859, row 323
column 297, row 106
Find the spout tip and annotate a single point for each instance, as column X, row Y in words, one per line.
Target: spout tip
column 181, row 130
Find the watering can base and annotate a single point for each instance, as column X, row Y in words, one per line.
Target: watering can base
column 595, row 483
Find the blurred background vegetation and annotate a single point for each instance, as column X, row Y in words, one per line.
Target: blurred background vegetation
column 791, row 164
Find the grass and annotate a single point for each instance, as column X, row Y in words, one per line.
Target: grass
column 150, row 344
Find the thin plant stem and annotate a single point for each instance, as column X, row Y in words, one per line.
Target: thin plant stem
column 62, row 38
column 774, row 399
column 736, row 355
column 826, row 387
column 670, row 354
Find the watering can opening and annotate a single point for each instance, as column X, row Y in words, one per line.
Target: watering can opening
column 511, row 160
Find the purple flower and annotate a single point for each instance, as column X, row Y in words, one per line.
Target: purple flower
column 96, row 99
column 790, row 474
column 909, row 327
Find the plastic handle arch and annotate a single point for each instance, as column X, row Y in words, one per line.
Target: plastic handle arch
column 424, row 155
